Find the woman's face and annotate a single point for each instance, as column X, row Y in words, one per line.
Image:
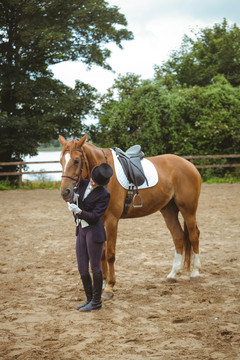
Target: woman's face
column 93, row 183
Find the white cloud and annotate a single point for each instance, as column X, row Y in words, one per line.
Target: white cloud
column 158, row 27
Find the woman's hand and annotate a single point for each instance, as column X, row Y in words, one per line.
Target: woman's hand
column 74, row 208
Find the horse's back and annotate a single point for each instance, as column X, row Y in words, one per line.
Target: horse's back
column 179, row 173
column 174, row 164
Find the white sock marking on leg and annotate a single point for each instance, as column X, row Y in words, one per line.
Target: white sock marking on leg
column 177, row 265
column 196, row 265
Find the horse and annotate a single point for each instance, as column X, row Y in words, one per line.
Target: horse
column 177, row 190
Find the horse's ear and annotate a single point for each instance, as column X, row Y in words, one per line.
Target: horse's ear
column 82, row 140
column 62, row 140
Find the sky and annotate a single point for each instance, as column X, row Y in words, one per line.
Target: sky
column 158, row 27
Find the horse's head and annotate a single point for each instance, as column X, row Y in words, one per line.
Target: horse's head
column 74, row 165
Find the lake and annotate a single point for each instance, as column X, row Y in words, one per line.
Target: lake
column 44, row 156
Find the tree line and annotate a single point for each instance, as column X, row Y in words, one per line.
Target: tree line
column 181, row 120
column 191, row 106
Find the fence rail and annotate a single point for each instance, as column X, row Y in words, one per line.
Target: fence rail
column 20, row 171
column 205, row 166
column 191, row 158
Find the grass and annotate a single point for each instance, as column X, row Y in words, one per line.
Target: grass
column 41, row 184
column 227, row 178
column 233, row 180
column 31, row 185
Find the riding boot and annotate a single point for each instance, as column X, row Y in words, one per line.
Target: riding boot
column 87, row 285
column 96, row 302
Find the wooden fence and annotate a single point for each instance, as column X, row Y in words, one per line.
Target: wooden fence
column 191, row 158
column 20, row 171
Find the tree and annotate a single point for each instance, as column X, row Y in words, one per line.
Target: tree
column 133, row 112
column 35, row 34
column 204, row 120
column 211, row 51
column 183, row 121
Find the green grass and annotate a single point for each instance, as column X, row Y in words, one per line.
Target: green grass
column 41, row 184
column 31, row 185
column 230, row 180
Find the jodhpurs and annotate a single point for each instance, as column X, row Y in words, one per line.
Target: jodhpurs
column 88, row 250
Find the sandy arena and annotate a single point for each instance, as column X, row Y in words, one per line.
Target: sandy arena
column 148, row 318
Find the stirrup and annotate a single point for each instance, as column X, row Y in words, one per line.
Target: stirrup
column 137, row 205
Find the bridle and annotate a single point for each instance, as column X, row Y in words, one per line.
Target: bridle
column 83, row 160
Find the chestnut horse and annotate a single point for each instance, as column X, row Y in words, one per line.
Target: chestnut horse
column 177, row 189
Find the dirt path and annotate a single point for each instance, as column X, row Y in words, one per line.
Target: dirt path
column 147, row 318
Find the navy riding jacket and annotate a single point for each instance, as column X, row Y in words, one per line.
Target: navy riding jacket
column 93, row 207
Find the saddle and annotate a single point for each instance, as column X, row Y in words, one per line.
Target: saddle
column 132, row 167
column 131, row 164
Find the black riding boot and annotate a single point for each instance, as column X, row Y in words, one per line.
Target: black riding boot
column 87, row 285
column 96, row 302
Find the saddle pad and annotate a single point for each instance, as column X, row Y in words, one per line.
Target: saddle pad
column 149, row 170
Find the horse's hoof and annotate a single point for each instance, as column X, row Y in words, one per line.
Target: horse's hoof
column 171, row 280
column 107, row 295
column 195, row 279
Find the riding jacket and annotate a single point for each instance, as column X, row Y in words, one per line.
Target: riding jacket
column 93, row 207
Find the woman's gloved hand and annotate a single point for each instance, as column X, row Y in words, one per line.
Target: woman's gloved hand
column 74, row 208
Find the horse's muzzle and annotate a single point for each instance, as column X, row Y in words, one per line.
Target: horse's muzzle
column 67, row 194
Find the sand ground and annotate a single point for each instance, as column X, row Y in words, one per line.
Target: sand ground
column 148, row 318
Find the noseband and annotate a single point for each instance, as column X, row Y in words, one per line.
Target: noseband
column 83, row 160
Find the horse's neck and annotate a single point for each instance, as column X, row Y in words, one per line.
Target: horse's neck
column 95, row 156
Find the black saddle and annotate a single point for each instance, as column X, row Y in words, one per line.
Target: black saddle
column 131, row 164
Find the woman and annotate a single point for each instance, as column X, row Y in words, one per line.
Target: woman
column 91, row 203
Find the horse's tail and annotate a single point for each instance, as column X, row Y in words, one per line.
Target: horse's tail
column 187, row 248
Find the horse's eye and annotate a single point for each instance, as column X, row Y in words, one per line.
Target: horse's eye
column 76, row 161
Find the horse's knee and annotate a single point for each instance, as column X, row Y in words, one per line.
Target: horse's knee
column 111, row 258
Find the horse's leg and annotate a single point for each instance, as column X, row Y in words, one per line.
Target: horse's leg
column 111, row 224
column 193, row 233
column 170, row 214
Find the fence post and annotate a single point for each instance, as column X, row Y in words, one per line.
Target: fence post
column 20, row 175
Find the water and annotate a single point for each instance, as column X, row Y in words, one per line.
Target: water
column 44, row 156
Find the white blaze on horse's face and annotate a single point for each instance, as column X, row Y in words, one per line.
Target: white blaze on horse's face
column 67, row 158
column 66, row 185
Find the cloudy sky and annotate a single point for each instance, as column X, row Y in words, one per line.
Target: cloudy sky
column 158, row 27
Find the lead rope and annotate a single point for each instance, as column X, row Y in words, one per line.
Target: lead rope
column 77, row 220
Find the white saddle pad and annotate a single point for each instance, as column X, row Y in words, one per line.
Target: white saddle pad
column 149, row 170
